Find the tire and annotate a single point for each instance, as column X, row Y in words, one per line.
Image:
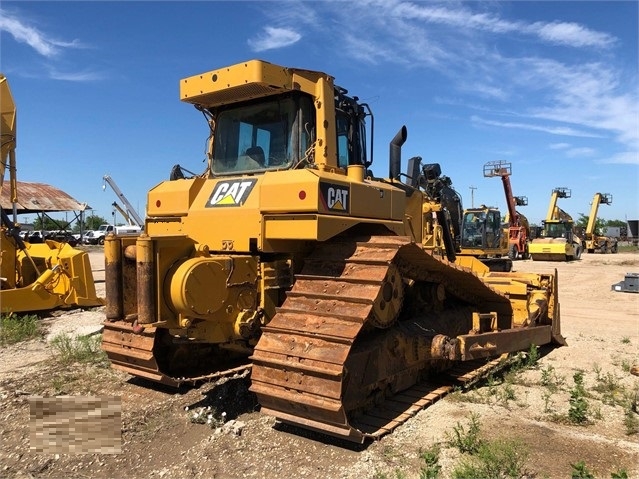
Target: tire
column 578, row 252
column 526, row 254
column 513, row 252
column 614, row 249
column 101, row 241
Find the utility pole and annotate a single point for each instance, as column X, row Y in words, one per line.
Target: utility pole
column 472, row 196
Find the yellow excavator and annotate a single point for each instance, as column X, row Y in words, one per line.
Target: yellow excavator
column 482, row 237
column 558, row 241
column 35, row 277
column 594, row 242
column 339, row 291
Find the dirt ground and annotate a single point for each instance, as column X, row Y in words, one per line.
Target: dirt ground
column 159, row 439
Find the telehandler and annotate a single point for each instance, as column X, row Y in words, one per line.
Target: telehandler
column 558, row 241
column 594, row 242
column 518, row 227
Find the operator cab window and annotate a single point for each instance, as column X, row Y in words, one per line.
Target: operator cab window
column 262, row 135
column 351, row 149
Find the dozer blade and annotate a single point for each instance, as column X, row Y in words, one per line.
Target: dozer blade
column 63, row 279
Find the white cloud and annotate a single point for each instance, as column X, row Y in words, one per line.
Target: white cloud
column 553, row 130
column 23, row 33
column 578, row 152
column 624, row 158
column 274, row 37
column 559, row 146
column 562, row 33
column 81, row 76
column 571, row 34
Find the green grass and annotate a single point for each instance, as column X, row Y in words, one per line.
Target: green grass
column 466, row 440
column 79, row 349
column 581, row 471
column 15, row 329
column 578, row 411
column 431, row 468
column 501, row 458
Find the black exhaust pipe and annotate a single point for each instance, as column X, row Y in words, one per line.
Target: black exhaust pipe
column 395, row 161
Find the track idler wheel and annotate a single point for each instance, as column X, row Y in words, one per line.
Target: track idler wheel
column 388, row 302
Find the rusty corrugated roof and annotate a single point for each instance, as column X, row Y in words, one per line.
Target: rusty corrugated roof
column 36, row 197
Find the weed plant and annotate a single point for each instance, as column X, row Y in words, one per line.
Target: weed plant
column 15, row 328
column 79, row 349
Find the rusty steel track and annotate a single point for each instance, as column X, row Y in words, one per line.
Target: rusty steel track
column 133, row 351
column 311, row 366
column 396, row 410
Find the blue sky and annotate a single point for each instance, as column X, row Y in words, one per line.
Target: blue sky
column 550, row 86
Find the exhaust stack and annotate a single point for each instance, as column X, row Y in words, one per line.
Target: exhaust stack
column 395, row 162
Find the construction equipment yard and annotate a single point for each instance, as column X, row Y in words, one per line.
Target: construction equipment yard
column 532, row 407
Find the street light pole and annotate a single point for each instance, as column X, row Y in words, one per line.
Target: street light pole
column 472, row 196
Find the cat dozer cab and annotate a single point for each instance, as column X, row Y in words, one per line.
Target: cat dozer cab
column 288, row 257
column 518, row 230
column 595, row 243
column 558, row 241
column 35, row 277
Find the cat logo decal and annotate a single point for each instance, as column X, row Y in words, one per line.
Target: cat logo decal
column 335, row 197
column 231, row 193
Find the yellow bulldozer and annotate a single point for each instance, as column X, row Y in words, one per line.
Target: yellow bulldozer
column 287, row 256
column 558, row 241
column 595, row 243
column 35, row 277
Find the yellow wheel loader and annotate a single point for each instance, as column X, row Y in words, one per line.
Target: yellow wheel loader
column 35, row 277
column 286, row 256
column 594, row 242
column 558, row 241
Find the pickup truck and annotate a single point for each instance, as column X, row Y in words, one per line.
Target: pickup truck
column 97, row 236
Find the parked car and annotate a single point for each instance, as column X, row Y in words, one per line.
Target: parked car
column 62, row 236
column 90, row 238
column 97, row 236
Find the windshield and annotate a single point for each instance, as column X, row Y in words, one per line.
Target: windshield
column 264, row 135
column 481, row 229
column 557, row 230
